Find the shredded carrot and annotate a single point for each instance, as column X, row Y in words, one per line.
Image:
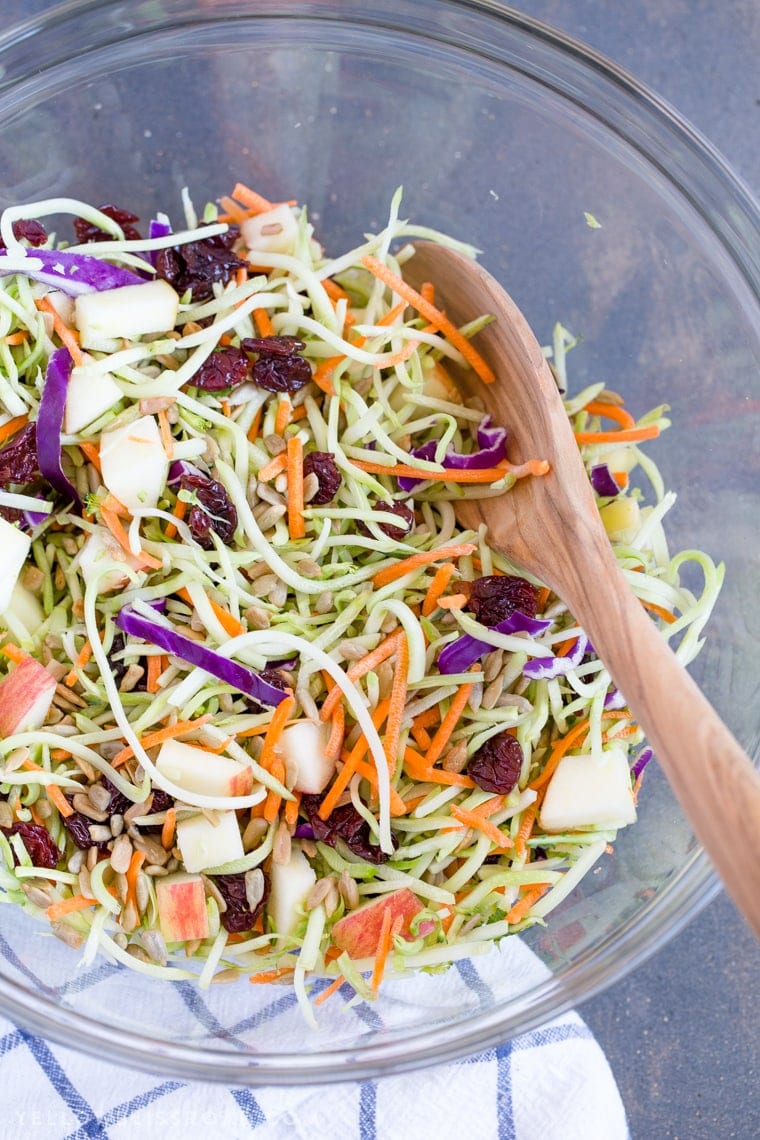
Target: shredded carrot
column 116, row 527
column 264, row 326
column 279, row 719
column 52, row 791
column 431, row 313
column 291, row 810
column 232, row 211
column 625, row 435
column 524, row 830
column 273, row 468
column 268, row 976
column 84, row 655
column 68, row 906
column 330, row 990
column 12, row 426
column 419, row 769
column 90, row 452
column 337, row 730
column 18, row 337
column 157, row 662
column 360, row 668
column 226, row 408
column 428, row 718
column 448, row 474
column 611, row 412
column 342, row 780
column 253, row 430
column 230, row 624
column 453, row 602
column 296, row 525
column 283, row 416
column 334, row 291
column 397, row 704
column 525, row 902
column 255, row 202
column 427, row 290
column 67, row 336
column 131, row 873
column 440, row 581
column 666, row 615
column 13, row 652
column 274, row 799
column 449, row 723
column 565, row 743
column 543, row 599
column 165, row 428
column 423, row 558
column 564, row 647
column 621, row 478
column 472, row 819
column 168, row 828
column 179, row 512
column 422, row 737
column 390, row 926
column 179, row 728
column 322, row 375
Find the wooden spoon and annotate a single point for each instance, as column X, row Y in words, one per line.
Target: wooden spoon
column 550, row 526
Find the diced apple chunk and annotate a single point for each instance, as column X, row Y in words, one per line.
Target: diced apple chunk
column 25, row 697
column 90, row 393
column 438, row 384
column 303, row 747
column 25, row 608
column 182, row 913
column 621, row 518
column 586, row 792
column 205, row 844
column 14, row 547
column 274, row 231
column 133, row 463
column 358, row 932
column 198, row 771
column 290, row 883
column 102, row 557
column 129, row 311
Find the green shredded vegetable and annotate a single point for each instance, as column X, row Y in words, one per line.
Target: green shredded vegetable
column 320, row 579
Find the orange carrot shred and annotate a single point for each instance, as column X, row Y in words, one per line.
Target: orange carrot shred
column 438, row 584
column 330, row 990
column 360, row 668
column 52, row 791
column 156, row 665
column 255, row 202
column 135, row 863
column 12, row 426
column 666, row 615
column 179, row 512
column 472, row 819
column 449, row 723
column 449, row 475
column 273, row 468
column 282, row 418
column 453, row 602
column 90, row 452
column 253, row 431
column 168, row 828
column 524, row 830
column 416, row 561
column 160, row 735
column 322, row 375
column 84, row 655
column 274, row 799
column 18, row 337
column 625, row 435
column 396, row 705
column 165, row 428
column 431, row 313
column 296, row 524
column 279, row 719
column 525, row 902
column 13, row 652
column 68, row 906
column 67, row 336
column 384, row 943
column 342, row 780
column 264, row 326
column 611, row 412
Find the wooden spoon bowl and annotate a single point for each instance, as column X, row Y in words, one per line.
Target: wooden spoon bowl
column 551, row 527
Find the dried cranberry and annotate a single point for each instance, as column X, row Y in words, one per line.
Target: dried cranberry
column 276, row 373
column 213, row 511
column 38, row 842
column 497, row 764
column 78, row 827
column 224, row 369
column 494, row 597
column 87, row 232
column 273, row 345
column 10, row 514
column 18, row 459
column 30, row 230
column 199, row 264
column 404, row 512
column 238, row 916
column 322, row 464
column 343, row 823
column 277, row 677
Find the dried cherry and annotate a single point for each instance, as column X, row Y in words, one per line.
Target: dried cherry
column 87, row 232
column 404, row 513
column 497, row 764
column 18, row 459
column 238, row 916
column 226, row 368
column 322, row 464
column 342, row 823
column 494, row 597
column 198, row 265
column 30, row 230
column 38, row 842
column 277, row 373
column 273, row 345
column 213, row 511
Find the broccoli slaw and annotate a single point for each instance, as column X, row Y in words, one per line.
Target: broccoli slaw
column 268, row 710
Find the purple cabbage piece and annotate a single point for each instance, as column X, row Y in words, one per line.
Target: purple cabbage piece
column 50, row 423
column 239, row 676
column 547, row 668
column 156, row 229
column 304, row 831
column 492, row 450
column 614, row 699
column 179, row 468
column 603, row 482
column 459, row 655
column 641, row 762
column 72, row 273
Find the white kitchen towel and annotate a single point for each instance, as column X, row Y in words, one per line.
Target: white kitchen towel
column 553, row 1083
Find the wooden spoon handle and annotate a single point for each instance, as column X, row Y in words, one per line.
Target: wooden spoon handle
column 713, row 778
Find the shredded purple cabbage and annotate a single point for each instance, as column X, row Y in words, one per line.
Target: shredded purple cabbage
column 614, row 699
column 459, row 655
column 239, row 676
column 50, row 423
column 73, row 273
column 179, row 468
column 546, row 668
column 156, row 229
column 603, row 482
column 641, row 762
column 492, row 450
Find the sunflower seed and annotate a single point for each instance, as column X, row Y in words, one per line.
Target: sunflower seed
column 455, row 759
column 66, row 934
column 492, row 693
column 268, row 516
column 84, row 804
column 492, row 665
column 308, row 568
column 255, row 831
column 268, row 495
column 121, row 854
column 310, row 487
column 133, row 674
column 254, row 887
column 348, row 889
column 213, row 891
column 278, row 595
column 99, row 833
column 153, row 942
column 257, row 617
column 282, row 845
column 318, row 893
column 142, row 892
column 99, row 796
column 324, row 602
column 274, row 444
column 6, row 814
column 37, row 895
column 352, row 649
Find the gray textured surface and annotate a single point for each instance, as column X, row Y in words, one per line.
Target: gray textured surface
column 681, row 1033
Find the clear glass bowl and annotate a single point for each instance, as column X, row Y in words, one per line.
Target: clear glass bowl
column 503, row 133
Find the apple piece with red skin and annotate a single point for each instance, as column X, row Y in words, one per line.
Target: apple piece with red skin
column 182, row 913
column 358, row 932
column 25, row 697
